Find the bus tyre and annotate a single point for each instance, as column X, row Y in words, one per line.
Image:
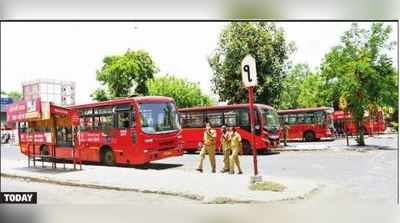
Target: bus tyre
column 246, row 148
column 108, row 157
column 309, row 136
column 191, row 151
column 44, row 153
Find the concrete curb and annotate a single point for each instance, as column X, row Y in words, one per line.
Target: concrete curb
column 338, row 148
column 96, row 186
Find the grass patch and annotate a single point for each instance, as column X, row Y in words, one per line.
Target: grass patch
column 222, row 200
column 267, row 186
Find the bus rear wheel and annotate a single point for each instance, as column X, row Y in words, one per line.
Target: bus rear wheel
column 108, row 157
column 44, row 153
column 309, row 136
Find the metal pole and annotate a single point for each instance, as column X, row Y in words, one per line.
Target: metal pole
column 251, row 109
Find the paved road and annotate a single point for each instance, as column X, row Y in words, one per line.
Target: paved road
column 369, row 175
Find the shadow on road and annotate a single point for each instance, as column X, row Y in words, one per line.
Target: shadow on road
column 258, row 154
column 46, row 168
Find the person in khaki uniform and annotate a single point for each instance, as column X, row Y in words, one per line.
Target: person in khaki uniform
column 236, row 145
column 208, row 147
column 226, row 148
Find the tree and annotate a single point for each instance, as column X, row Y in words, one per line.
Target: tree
column 311, row 92
column 302, row 88
column 100, row 95
column 15, row 95
column 291, row 86
column 185, row 93
column 361, row 72
column 124, row 75
column 267, row 44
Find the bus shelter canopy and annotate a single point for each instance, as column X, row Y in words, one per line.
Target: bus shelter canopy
column 42, row 114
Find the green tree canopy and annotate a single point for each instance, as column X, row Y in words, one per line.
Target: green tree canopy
column 302, row 88
column 265, row 42
column 15, row 95
column 360, row 71
column 124, row 75
column 184, row 92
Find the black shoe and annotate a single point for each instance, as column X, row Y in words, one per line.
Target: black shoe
column 213, row 171
column 224, row 171
column 200, row 170
column 240, row 172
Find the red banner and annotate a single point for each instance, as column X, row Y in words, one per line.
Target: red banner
column 23, row 110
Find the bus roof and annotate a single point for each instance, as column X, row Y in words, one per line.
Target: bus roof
column 299, row 110
column 125, row 100
column 223, row 107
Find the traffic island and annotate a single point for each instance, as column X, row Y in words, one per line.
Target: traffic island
column 205, row 187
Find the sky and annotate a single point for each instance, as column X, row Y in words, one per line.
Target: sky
column 74, row 51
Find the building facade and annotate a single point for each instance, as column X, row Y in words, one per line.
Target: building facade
column 55, row 91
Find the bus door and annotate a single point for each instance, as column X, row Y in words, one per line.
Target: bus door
column 295, row 131
column 123, row 133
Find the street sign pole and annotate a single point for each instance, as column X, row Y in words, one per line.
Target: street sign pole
column 253, row 147
column 249, row 79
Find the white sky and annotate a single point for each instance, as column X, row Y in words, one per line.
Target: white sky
column 74, row 51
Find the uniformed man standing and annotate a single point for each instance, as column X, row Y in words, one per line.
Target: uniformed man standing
column 226, row 148
column 285, row 133
column 236, row 145
column 208, row 147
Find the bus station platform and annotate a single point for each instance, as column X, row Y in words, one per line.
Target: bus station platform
column 204, row 187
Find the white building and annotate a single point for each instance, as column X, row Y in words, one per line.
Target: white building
column 59, row 92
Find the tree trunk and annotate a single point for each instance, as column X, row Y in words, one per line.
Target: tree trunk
column 360, row 129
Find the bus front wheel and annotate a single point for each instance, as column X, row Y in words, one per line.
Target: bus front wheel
column 108, row 157
column 309, row 136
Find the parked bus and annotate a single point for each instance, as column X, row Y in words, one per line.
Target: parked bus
column 343, row 123
column 133, row 130
column 266, row 125
column 309, row 124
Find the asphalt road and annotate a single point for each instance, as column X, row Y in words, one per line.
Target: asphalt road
column 348, row 176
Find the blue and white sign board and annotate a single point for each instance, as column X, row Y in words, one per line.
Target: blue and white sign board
column 4, row 101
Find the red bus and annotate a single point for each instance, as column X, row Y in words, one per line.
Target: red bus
column 132, row 130
column 266, row 125
column 343, row 123
column 309, row 124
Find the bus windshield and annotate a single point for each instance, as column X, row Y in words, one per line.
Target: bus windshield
column 271, row 119
column 159, row 117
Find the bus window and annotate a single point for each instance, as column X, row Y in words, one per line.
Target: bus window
column 292, row 118
column 86, row 123
column 231, row 118
column 123, row 119
column 215, row 118
column 308, row 118
column 300, row 118
column 64, row 137
column 192, row 120
column 319, row 118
